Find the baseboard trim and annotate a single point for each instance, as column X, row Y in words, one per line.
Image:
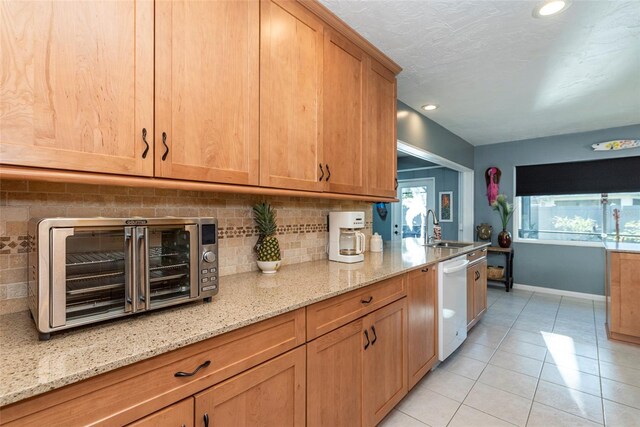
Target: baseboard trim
column 542, row 290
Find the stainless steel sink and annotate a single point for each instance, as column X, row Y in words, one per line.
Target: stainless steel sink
column 452, row 245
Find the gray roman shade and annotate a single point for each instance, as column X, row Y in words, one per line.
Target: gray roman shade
column 595, row 176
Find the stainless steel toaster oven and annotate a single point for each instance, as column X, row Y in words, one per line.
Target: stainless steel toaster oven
column 86, row 270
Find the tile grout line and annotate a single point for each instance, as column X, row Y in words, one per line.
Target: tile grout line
column 487, row 364
column 533, row 399
column 562, row 410
column 595, row 323
column 474, row 382
column 410, row 416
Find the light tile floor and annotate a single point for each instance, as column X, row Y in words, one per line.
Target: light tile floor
column 533, row 360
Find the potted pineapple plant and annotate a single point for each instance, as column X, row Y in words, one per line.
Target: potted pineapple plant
column 268, row 248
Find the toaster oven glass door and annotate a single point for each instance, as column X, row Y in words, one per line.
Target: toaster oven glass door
column 91, row 277
column 171, row 273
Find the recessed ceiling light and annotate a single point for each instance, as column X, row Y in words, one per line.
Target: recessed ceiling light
column 429, row 107
column 550, row 7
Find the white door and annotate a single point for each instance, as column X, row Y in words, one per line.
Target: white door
column 415, row 197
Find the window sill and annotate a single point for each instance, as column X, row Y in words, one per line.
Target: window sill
column 560, row 243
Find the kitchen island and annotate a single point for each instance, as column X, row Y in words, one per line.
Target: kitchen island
column 622, row 291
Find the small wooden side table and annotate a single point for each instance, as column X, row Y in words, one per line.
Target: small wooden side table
column 508, row 255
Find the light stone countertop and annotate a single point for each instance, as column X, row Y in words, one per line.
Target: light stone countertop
column 622, row 247
column 30, row 367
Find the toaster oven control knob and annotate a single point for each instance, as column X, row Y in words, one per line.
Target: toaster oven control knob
column 209, row 256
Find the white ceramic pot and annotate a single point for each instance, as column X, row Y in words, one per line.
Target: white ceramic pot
column 269, row 267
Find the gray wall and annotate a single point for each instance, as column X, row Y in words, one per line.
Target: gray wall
column 421, row 132
column 571, row 268
column 382, row 226
column 446, row 180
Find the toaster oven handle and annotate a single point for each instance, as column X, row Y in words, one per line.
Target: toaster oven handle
column 194, row 256
column 58, row 313
column 144, row 286
column 130, row 270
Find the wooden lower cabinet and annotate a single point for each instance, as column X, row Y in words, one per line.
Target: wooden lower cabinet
column 385, row 361
column 623, row 296
column 476, row 291
column 357, row 373
column 334, row 377
column 177, row 415
column 422, row 343
column 135, row 391
column 265, row 374
column 271, row 394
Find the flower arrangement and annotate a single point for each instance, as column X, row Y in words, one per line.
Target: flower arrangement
column 504, row 209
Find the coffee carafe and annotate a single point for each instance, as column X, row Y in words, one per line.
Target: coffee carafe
column 346, row 242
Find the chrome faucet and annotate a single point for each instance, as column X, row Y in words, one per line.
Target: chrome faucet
column 432, row 238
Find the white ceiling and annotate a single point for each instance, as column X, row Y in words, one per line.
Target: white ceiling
column 498, row 74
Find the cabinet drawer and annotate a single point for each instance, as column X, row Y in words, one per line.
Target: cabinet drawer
column 178, row 414
column 476, row 255
column 330, row 314
column 132, row 392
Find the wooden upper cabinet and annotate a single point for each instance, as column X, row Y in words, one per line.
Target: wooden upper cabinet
column 345, row 84
column 77, row 85
column 381, row 140
column 207, row 90
column 291, row 96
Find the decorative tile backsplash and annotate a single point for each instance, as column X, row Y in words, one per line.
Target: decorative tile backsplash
column 302, row 222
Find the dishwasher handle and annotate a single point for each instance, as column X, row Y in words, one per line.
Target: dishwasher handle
column 456, row 268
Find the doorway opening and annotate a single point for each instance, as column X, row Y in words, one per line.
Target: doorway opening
column 450, row 197
column 415, row 196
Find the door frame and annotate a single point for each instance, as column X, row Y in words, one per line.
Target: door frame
column 465, row 187
column 396, row 211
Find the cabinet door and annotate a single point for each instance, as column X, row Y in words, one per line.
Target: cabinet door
column 207, row 90
column 334, row 377
column 344, row 83
column 422, row 322
column 381, row 131
column 385, row 361
column 625, row 293
column 471, row 274
column 291, row 96
column 77, row 85
column 177, row 415
column 480, row 289
column 271, row 394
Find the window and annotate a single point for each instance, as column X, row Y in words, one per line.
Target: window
column 579, row 217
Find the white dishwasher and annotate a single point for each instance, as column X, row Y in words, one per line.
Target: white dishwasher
column 452, row 305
